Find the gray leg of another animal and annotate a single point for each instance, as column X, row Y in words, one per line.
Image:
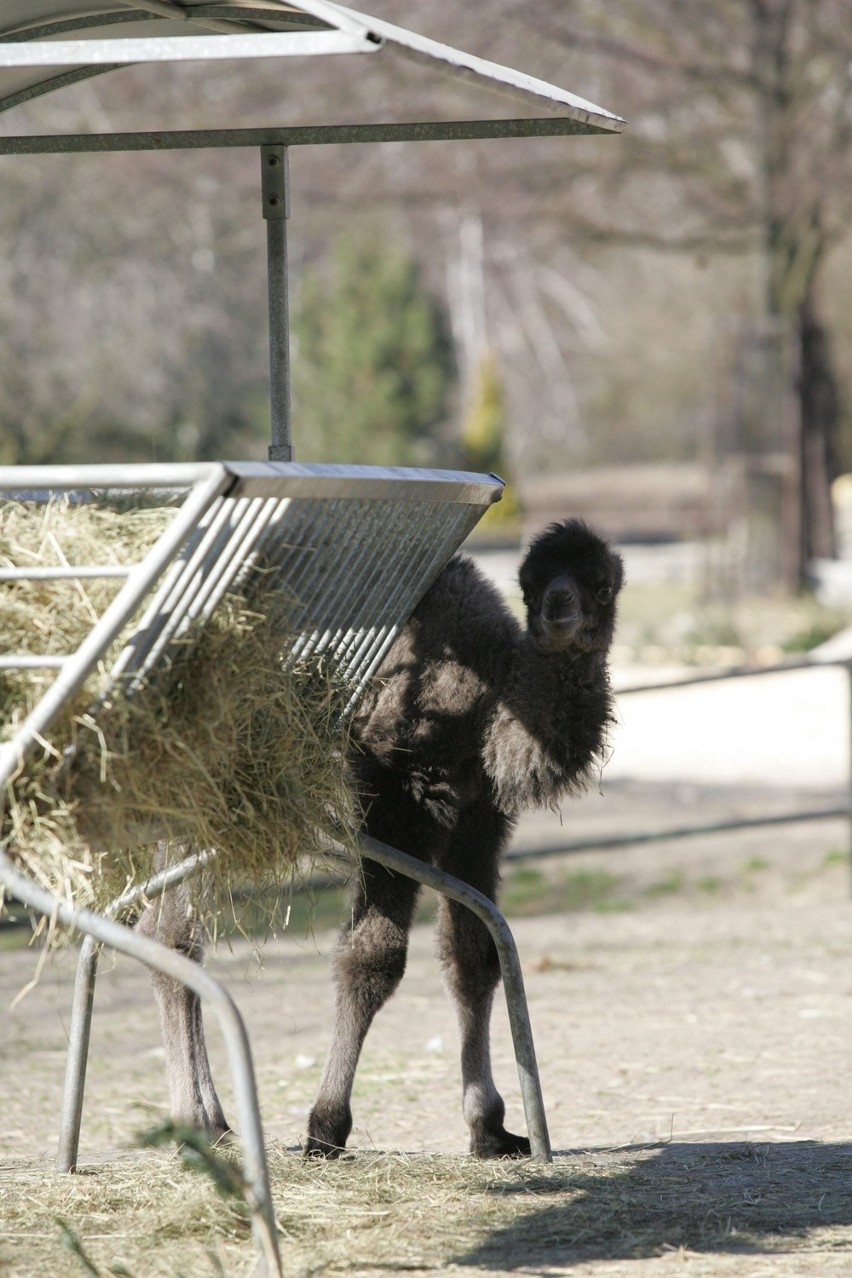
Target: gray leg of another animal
column 194, row 1103
column 369, row 965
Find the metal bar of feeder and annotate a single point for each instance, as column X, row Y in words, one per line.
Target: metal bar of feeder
column 848, row 667
column 66, row 572
column 44, row 479
column 77, row 1059
column 120, row 51
column 28, row 661
column 296, row 135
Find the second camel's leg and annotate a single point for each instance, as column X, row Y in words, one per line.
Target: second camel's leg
column 194, row 1103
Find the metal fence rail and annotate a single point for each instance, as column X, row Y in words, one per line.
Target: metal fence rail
column 723, row 825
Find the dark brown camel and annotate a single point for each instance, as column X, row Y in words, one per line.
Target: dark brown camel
column 470, row 719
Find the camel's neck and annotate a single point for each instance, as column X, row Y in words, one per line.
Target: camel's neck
column 567, row 695
column 550, row 730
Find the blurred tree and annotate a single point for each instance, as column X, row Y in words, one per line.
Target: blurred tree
column 744, row 116
column 121, row 340
column 373, row 366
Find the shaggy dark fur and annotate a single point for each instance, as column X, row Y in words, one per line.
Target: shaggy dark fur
column 470, row 719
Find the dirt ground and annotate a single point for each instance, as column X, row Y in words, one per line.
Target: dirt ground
column 692, row 1021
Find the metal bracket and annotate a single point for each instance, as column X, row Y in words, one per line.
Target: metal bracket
column 275, row 178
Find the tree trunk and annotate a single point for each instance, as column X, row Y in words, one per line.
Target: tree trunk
column 819, row 414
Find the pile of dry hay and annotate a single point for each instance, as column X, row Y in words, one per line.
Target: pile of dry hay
column 221, row 748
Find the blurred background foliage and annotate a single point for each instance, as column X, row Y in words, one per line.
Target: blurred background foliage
column 373, row 358
column 679, row 294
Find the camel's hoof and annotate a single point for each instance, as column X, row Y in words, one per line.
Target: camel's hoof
column 315, row 1148
column 222, row 1137
column 500, row 1144
column 328, row 1131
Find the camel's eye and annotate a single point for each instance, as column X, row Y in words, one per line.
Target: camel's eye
column 604, row 594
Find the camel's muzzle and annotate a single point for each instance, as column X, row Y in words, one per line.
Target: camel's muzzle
column 560, row 605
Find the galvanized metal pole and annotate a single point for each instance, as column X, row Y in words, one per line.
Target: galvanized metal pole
column 276, row 210
column 77, row 1059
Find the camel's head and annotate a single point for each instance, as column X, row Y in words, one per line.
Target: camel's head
column 570, row 580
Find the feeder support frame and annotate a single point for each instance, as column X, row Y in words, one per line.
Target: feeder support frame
column 275, row 188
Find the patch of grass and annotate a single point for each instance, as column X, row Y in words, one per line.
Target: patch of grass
column 588, row 890
column 528, row 891
column 817, row 628
column 711, row 885
column 15, row 938
column 524, row 890
column 619, row 906
column 836, row 856
column 669, row 886
column 301, row 908
column 755, row 864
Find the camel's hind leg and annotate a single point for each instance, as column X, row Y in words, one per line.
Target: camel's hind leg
column 471, row 970
column 369, row 965
column 173, row 920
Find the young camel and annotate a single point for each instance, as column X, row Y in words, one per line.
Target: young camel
column 470, row 719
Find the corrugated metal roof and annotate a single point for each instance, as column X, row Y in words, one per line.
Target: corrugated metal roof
column 48, row 44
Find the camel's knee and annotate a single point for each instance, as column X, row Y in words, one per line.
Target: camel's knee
column 467, row 953
column 370, row 961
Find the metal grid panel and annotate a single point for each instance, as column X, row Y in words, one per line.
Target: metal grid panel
column 349, row 550
column 346, row 571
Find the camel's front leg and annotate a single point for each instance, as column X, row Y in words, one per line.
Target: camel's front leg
column 369, row 965
column 194, row 1103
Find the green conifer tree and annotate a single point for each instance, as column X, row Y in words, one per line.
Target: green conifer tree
column 373, row 366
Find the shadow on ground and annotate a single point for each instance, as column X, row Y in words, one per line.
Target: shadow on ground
column 634, row 1203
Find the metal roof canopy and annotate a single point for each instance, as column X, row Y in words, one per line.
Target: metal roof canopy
column 46, row 45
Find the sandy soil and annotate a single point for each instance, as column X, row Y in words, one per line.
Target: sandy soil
column 693, row 1023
